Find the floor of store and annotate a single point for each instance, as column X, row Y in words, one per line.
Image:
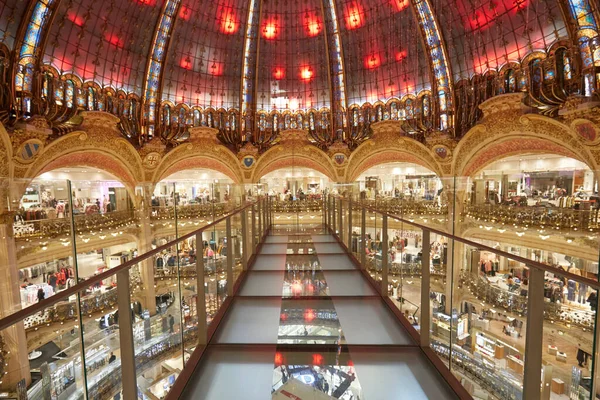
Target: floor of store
column 296, row 328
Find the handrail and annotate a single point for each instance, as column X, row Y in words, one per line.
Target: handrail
column 80, row 286
column 502, row 253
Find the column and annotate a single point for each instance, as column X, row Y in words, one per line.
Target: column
column 535, row 329
column 126, row 344
column 425, row 289
column 384, row 256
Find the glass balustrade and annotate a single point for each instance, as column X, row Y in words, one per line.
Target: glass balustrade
column 504, row 294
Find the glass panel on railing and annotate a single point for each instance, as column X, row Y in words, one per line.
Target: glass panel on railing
column 236, row 246
column 568, row 339
column 39, row 361
column 39, row 241
column 405, row 271
column 373, row 261
column 159, row 324
column 106, row 227
column 356, row 241
column 487, row 321
column 101, row 340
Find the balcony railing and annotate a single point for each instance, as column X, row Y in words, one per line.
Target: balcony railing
column 505, row 325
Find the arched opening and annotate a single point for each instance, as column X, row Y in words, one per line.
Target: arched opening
column 72, row 223
column 399, row 180
column 541, row 206
column 195, row 187
column 297, row 195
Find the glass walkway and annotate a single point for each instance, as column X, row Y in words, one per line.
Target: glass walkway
column 306, row 324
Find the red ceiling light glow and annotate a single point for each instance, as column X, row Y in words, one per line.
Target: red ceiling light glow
column 306, row 74
column 373, row 61
column 271, row 30
column 313, row 26
column 278, row 73
column 185, row 63
column 401, row 55
column 74, row 18
column 400, row 5
column 114, row 40
column 355, row 17
column 185, row 12
column 229, row 24
column 147, row 2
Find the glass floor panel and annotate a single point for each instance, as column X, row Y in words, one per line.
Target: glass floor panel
column 269, row 263
column 250, row 321
column 335, row 262
column 274, row 248
column 263, row 283
column 284, row 343
column 348, row 283
column 323, row 239
column 277, row 239
column 356, row 314
column 329, row 248
column 398, row 373
column 298, row 283
column 233, row 373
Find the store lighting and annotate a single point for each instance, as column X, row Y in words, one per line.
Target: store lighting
column 519, row 234
column 501, row 230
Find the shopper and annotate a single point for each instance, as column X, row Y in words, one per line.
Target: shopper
column 524, row 287
column 112, row 358
column 171, row 324
column 41, row 295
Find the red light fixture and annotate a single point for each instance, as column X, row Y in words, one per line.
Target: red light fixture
column 185, row 12
column 401, row 55
column 400, row 5
column 278, row 73
column 185, row 63
column 354, row 15
column 229, row 24
column 74, row 18
column 270, row 31
column 373, row 61
column 313, row 26
column 114, row 40
column 306, row 74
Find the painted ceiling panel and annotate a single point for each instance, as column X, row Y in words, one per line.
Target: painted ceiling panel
column 293, row 68
column 11, row 14
column 383, row 52
column 104, row 41
column 484, row 34
column 204, row 61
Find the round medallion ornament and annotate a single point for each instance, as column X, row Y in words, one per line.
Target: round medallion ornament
column 442, row 152
column 30, row 149
column 339, row 158
column 248, row 161
column 151, row 160
column 587, row 131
